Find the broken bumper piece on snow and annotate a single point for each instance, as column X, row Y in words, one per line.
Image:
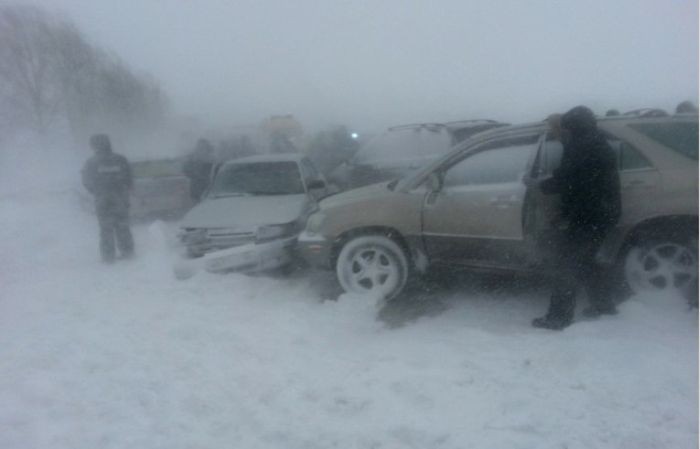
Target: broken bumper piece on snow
column 248, row 258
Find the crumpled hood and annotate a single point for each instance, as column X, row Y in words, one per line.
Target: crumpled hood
column 245, row 212
column 355, row 195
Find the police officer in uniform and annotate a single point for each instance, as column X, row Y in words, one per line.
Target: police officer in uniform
column 107, row 176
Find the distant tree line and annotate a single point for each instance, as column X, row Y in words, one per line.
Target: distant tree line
column 51, row 76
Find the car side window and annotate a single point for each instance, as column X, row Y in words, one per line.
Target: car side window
column 681, row 137
column 309, row 172
column 628, row 157
column 553, row 151
column 631, row 159
column 496, row 162
column 305, row 172
column 313, row 173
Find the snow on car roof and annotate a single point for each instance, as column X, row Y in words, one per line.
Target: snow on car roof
column 535, row 126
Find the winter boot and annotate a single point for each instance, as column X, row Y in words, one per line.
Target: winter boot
column 561, row 310
column 592, row 312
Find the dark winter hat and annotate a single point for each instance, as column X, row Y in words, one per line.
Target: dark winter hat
column 100, row 142
column 579, row 120
column 686, row 107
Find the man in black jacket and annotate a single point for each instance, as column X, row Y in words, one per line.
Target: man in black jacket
column 198, row 168
column 108, row 177
column 589, row 185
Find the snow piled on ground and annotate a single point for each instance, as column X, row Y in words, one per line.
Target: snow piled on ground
column 125, row 356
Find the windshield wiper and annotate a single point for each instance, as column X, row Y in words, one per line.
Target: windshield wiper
column 225, row 195
column 269, row 193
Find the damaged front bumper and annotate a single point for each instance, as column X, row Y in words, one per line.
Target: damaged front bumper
column 252, row 257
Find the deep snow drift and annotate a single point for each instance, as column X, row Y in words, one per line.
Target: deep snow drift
column 126, row 356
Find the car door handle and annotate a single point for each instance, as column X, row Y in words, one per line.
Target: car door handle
column 431, row 199
column 636, row 183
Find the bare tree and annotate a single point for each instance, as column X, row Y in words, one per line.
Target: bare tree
column 28, row 87
column 49, row 73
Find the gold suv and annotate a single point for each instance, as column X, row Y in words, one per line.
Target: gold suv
column 472, row 208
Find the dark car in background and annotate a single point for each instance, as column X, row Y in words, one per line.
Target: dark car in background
column 161, row 190
column 401, row 150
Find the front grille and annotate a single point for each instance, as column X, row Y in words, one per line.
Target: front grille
column 223, row 238
column 207, row 240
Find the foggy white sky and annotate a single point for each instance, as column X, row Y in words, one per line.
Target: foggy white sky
column 368, row 63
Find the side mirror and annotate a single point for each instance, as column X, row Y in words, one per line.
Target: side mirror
column 316, row 184
column 435, row 182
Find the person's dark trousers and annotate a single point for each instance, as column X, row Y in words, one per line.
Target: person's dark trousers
column 576, row 262
column 113, row 218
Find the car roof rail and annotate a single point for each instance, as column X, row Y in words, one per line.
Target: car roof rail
column 646, row 112
column 472, row 121
column 437, row 125
column 417, row 126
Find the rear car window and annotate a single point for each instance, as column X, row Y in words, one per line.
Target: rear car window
column 627, row 156
column 680, row 137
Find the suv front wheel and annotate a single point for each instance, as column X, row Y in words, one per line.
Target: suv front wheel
column 373, row 265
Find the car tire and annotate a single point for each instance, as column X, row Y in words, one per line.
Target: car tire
column 661, row 265
column 373, row 264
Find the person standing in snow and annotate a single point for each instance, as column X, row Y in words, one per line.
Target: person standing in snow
column 198, row 168
column 107, row 176
column 589, row 185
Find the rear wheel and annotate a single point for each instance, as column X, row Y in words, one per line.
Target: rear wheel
column 372, row 265
column 661, row 265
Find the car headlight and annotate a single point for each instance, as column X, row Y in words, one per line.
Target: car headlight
column 272, row 232
column 314, row 223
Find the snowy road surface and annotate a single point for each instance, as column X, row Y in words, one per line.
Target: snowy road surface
column 125, row 356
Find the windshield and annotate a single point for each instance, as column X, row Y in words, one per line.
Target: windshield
column 258, row 178
column 425, row 142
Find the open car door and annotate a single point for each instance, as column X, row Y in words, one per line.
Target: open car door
column 475, row 217
column 542, row 225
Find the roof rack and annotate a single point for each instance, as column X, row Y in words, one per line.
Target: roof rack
column 451, row 124
column 646, row 112
column 417, row 126
column 473, row 121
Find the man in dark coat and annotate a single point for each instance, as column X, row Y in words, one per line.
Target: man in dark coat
column 589, row 185
column 108, row 177
column 198, row 168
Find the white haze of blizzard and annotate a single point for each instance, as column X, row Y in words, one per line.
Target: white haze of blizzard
column 26, row 166
column 370, row 64
column 125, row 356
